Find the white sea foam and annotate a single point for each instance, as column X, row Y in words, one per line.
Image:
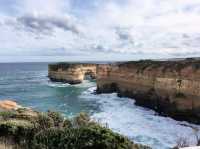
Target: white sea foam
column 84, row 84
column 139, row 124
column 57, row 84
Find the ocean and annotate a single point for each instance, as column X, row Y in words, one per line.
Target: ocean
column 28, row 85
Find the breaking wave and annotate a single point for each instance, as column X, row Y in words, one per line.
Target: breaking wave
column 139, row 124
column 57, row 84
column 84, row 84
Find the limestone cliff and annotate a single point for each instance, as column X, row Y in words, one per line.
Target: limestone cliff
column 170, row 87
column 71, row 73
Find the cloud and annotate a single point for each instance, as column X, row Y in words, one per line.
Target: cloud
column 46, row 24
column 145, row 27
column 44, row 7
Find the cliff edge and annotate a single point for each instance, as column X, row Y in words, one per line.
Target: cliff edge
column 172, row 88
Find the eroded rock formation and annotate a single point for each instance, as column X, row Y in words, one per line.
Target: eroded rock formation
column 72, row 73
column 8, row 105
column 171, row 88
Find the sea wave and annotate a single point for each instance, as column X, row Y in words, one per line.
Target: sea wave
column 84, row 84
column 57, row 84
column 139, row 124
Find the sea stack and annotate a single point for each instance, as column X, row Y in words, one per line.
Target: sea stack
column 72, row 73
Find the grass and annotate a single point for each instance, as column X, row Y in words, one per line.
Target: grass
column 174, row 65
column 67, row 65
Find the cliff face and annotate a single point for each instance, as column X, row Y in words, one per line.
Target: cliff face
column 71, row 73
column 170, row 87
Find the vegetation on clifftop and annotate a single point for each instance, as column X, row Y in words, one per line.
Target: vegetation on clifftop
column 67, row 65
column 176, row 65
column 27, row 129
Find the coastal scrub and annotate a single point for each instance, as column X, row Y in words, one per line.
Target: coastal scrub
column 50, row 130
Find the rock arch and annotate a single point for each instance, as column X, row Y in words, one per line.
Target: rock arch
column 71, row 73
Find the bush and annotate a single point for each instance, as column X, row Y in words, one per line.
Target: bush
column 20, row 131
column 49, row 138
column 5, row 115
column 93, row 137
column 82, row 119
column 67, row 123
column 12, row 127
column 57, row 117
column 45, row 121
column 50, row 130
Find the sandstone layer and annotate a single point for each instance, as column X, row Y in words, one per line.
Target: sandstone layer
column 172, row 88
column 72, row 73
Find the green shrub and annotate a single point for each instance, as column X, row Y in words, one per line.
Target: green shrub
column 67, row 123
column 57, row 117
column 5, row 115
column 92, row 137
column 44, row 121
column 49, row 138
column 81, row 120
column 19, row 130
column 77, row 133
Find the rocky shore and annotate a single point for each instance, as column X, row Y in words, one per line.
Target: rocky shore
column 8, row 104
column 171, row 88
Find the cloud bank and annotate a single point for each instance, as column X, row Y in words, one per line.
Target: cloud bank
column 129, row 29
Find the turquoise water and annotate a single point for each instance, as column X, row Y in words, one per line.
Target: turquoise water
column 28, row 84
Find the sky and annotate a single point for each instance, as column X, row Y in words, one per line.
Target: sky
column 98, row 30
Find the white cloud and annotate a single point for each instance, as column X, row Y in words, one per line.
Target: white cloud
column 154, row 25
column 163, row 28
